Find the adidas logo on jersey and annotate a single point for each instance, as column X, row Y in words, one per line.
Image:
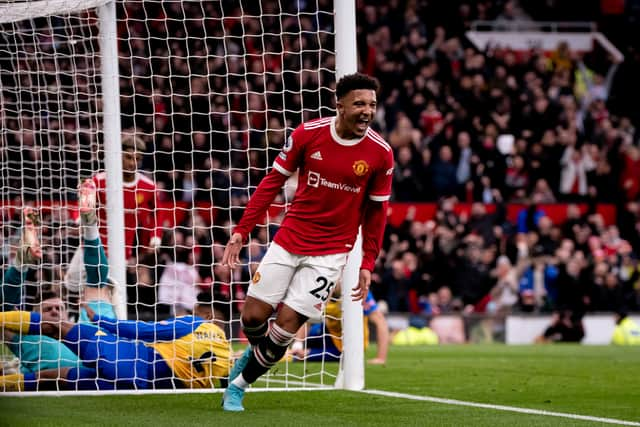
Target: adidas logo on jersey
column 316, row 156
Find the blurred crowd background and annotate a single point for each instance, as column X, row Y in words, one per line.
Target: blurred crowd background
column 215, row 87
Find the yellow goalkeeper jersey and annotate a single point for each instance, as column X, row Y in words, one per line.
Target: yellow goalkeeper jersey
column 333, row 323
column 200, row 358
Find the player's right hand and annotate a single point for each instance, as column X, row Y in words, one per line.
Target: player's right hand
column 89, row 310
column 361, row 289
column 231, row 255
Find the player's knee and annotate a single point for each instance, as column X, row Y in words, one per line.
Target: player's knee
column 249, row 321
column 255, row 312
column 254, row 331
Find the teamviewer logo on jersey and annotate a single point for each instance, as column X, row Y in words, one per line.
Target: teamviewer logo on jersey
column 313, row 180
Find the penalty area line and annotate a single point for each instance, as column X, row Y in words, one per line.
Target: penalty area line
column 500, row 407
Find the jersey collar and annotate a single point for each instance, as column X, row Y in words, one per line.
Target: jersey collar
column 342, row 141
column 132, row 183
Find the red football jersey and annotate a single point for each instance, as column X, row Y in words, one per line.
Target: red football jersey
column 336, row 176
column 140, row 201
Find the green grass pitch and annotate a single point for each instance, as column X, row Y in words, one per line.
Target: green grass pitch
column 600, row 382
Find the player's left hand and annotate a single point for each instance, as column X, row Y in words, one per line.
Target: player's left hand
column 362, row 288
column 376, row 361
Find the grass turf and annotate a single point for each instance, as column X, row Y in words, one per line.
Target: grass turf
column 594, row 381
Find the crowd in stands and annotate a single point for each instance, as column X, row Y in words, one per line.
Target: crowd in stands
column 481, row 127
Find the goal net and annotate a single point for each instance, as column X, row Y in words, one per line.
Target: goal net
column 212, row 88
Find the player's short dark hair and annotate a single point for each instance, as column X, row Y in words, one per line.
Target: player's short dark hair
column 354, row 82
column 47, row 294
column 133, row 143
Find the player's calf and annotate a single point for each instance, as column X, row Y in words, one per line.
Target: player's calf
column 76, row 275
column 267, row 353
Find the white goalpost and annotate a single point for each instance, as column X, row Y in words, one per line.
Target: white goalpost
column 351, row 375
column 212, row 88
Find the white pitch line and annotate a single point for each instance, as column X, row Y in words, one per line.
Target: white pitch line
column 501, row 407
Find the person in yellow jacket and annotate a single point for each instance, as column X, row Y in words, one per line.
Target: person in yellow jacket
column 627, row 332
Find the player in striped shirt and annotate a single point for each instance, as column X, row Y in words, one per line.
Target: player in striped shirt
column 344, row 182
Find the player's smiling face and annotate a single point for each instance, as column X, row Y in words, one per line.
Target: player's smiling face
column 355, row 113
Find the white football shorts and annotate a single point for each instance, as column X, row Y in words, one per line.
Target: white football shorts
column 302, row 282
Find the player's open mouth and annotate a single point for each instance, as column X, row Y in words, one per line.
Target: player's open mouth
column 362, row 124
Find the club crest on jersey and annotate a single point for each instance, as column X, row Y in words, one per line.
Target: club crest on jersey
column 139, row 198
column 288, row 145
column 256, row 278
column 360, row 167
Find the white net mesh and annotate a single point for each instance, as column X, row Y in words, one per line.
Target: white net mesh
column 212, row 88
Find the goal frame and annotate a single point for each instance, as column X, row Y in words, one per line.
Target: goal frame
column 351, row 369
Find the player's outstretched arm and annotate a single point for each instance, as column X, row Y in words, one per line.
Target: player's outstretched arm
column 22, row 322
column 166, row 330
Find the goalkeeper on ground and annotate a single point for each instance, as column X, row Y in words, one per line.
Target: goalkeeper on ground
column 183, row 352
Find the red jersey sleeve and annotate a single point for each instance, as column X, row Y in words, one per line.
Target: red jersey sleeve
column 373, row 223
column 289, row 159
column 374, row 219
column 260, row 201
column 380, row 189
column 284, row 166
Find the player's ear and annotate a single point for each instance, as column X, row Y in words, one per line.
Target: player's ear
column 339, row 106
